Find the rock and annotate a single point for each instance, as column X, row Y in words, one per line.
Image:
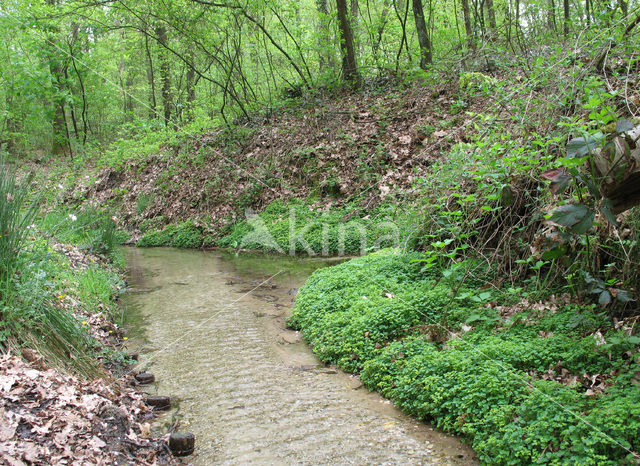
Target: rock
column 159, row 402
column 290, row 338
column 145, row 378
column 182, row 443
column 355, row 384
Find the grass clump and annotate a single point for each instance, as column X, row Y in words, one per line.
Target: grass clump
column 534, row 385
column 183, row 235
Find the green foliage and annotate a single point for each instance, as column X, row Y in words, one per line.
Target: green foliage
column 91, row 229
column 419, row 342
column 35, row 281
column 297, row 227
column 144, row 202
column 95, row 287
column 17, row 212
column 34, row 312
column 183, row 235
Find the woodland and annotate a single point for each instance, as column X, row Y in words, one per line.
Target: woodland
column 481, row 157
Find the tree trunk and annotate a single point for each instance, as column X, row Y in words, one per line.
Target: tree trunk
column 151, row 79
column 165, row 75
column 467, row 24
column 326, row 58
column 566, row 18
column 349, row 67
column 11, row 122
column 191, row 90
column 587, row 8
column 423, row 35
column 383, row 22
column 491, row 14
column 59, row 123
column 551, row 15
column 354, row 16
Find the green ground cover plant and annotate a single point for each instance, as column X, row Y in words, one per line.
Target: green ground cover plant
column 296, row 227
column 183, row 235
column 519, row 384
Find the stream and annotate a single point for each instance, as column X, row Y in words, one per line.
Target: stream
column 211, row 327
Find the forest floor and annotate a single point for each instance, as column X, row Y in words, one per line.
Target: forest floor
column 364, row 147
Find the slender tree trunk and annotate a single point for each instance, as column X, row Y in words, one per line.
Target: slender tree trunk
column 423, row 35
column 151, row 79
column 551, row 15
column 326, row 57
column 72, row 111
column 354, row 15
column 587, row 6
column 11, row 122
column 383, row 22
column 566, row 18
column 84, row 96
column 59, row 123
column 491, row 14
column 466, row 14
column 191, row 90
column 349, row 66
column 165, row 75
column 402, row 12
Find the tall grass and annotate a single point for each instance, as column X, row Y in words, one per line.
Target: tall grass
column 17, row 212
column 34, row 281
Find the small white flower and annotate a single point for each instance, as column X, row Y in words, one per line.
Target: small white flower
column 60, row 186
column 73, row 217
column 364, row 297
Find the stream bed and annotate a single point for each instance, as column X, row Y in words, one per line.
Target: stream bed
column 211, row 327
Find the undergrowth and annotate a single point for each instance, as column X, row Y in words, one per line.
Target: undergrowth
column 305, row 227
column 43, row 296
column 534, row 384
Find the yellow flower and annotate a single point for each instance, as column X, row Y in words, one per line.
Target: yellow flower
column 125, row 338
column 110, row 331
column 60, row 296
column 84, row 322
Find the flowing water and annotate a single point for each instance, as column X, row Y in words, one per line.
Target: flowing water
column 211, row 327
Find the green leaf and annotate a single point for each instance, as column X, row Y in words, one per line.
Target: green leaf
column 474, row 318
column 570, row 214
column 579, row 147
column 605, row 298
column 622, row 125
column 606, row 207
column 583, row 225
column 554, row 253
column 623, row 296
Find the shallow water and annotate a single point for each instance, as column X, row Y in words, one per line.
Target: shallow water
column 210, row 326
